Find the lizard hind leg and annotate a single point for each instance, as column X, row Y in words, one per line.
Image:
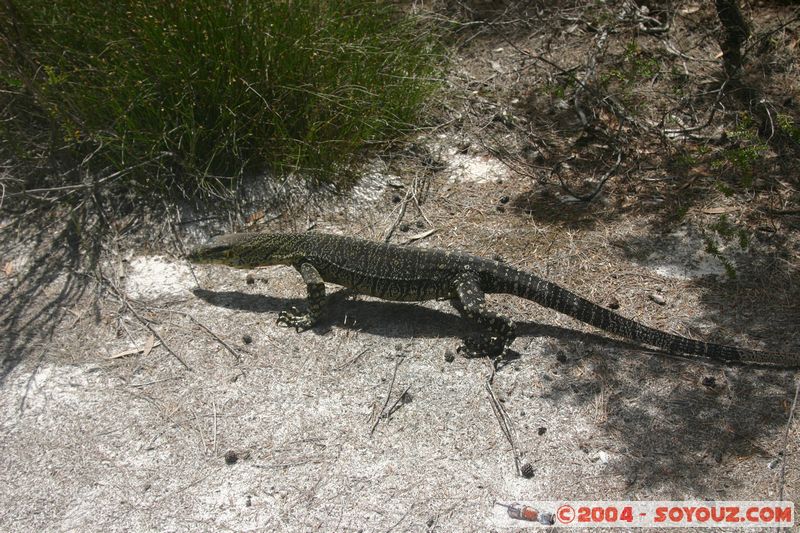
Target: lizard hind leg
column 501, row 331
column 315, row 288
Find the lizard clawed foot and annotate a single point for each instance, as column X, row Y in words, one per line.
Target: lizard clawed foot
column 295, row 319
column 483, row 346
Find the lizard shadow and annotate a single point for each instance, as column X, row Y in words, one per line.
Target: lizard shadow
column 393, row 319
column 668, row 422
column 407, row 320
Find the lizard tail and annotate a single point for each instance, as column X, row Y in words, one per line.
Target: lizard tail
column 548, row 294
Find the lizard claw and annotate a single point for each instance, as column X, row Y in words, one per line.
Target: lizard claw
column 294, row 318
column 482, row 346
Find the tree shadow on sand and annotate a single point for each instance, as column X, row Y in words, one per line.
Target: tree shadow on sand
column 43, row 296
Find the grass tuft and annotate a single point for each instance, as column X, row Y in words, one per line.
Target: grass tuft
column 199, row 92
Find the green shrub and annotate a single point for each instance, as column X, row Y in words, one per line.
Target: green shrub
column 194, row 90
column 744, row 158
column 726, row 231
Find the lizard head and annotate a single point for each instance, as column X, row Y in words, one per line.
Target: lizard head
column 244, row 250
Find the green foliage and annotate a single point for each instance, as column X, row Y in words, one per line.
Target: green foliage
column 726, row 231
column 788, row 126
column 626, row 75
column 680, row 79
column 681, row 211
column 210, row 88
column 724, row 188
column 555, row 90
column 683, row 162
column 729, row 231
column 636, row 65
column 641, row 65
column 713, row 249
column 744, row 158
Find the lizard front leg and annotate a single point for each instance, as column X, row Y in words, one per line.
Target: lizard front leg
column 316, row 298
column 473, row 303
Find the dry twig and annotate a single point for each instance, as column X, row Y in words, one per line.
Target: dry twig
column 411, row 195
column 146, row 323
column 588, row 197
column 505, row 425
column 388, row 395
column 224, row 344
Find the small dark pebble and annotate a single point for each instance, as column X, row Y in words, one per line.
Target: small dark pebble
column 561, row 357
column 504, row 199
column 449, row 356
column 231, row 457
column 250, row 279
column 527, row 470
column 404, row 227
column 247, row 339
column 407, row 397
column 613, row 303
column 396, row 199
column 709, row 381
column 541, row 431
column 248, row 501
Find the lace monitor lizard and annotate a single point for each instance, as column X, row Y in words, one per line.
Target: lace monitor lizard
column 401, row 273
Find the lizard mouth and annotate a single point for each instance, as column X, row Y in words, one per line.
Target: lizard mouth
column 218, row 250
column 208, row 253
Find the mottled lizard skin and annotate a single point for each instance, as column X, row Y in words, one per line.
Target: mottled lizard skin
column 403, row 273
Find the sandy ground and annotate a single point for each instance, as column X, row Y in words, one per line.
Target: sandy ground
column 105, row 429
